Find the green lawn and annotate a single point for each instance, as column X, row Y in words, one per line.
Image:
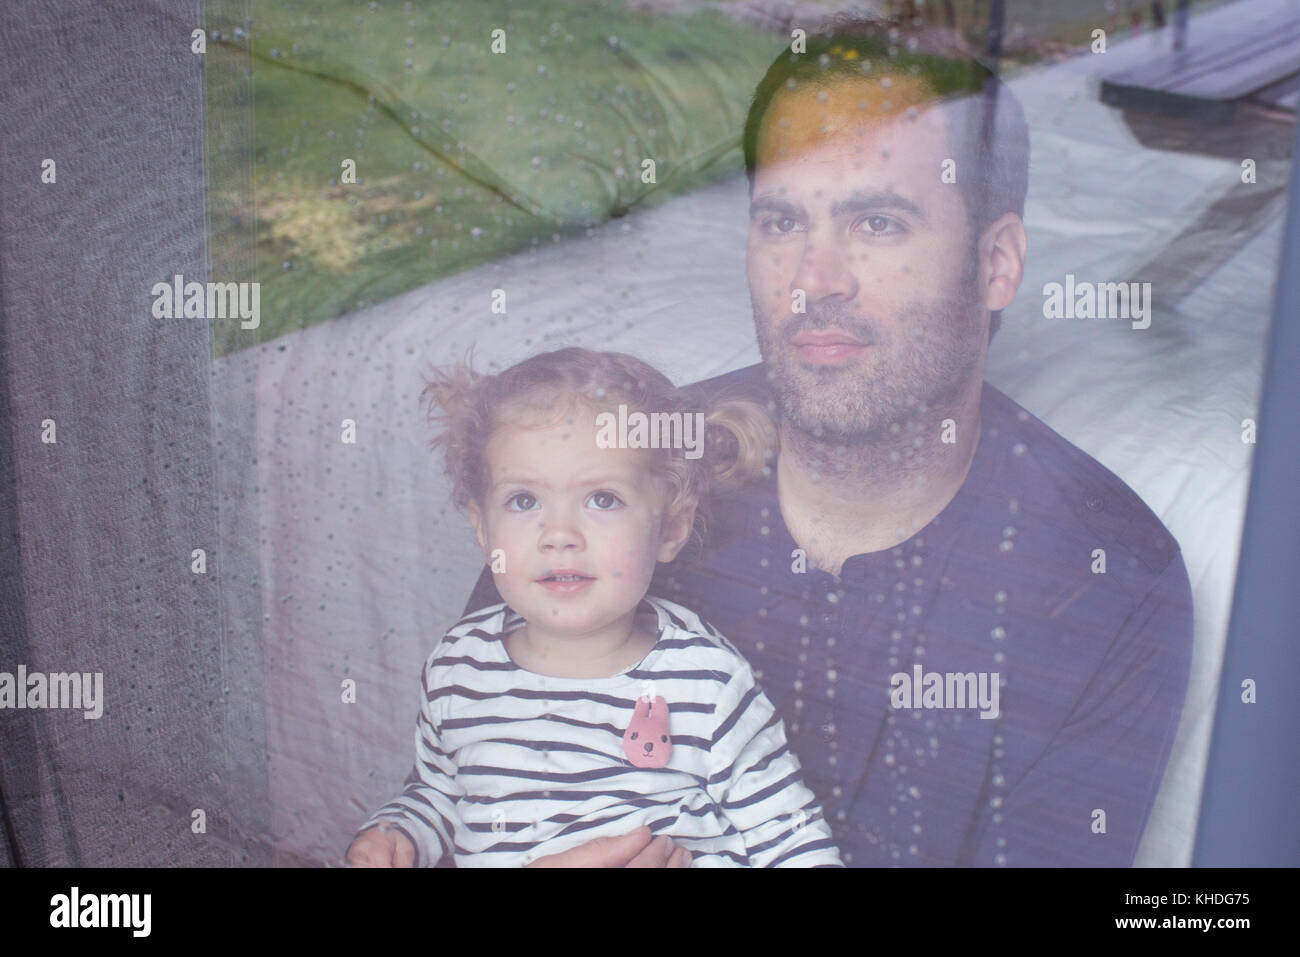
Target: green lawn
column 463, row 155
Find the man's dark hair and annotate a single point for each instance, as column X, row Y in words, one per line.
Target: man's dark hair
column 987, row 133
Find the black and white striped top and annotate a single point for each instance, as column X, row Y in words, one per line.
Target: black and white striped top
column 511, row 765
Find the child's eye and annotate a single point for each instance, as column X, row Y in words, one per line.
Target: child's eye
column 604, row 501
column 521, row 502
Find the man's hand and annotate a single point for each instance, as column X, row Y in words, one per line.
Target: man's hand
column 381, row 846
column 636, row 849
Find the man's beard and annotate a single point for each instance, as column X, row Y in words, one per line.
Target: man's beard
column 920, row 363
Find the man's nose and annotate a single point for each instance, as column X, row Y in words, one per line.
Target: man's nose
column 824, row 273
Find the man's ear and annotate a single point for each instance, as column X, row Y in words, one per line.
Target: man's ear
column 675, row 531
column 476, row 519
column 1002, row 249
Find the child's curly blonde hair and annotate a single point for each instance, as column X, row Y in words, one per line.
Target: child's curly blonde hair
column 467, row 408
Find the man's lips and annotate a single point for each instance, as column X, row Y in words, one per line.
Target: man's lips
column 827, row 348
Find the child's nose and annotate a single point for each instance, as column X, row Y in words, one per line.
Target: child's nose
column 560, row 532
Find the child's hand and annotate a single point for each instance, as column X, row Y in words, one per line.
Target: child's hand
column 381, row 846
column 638, row 848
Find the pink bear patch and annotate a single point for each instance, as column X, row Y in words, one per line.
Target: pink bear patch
column 646, row 741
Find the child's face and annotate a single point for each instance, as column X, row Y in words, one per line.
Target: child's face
column 572, row 531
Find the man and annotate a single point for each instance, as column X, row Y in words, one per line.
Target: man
column 978, row 637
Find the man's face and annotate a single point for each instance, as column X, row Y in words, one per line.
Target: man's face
column 848, row 205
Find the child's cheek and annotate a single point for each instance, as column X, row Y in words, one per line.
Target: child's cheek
column 637, row 559
column 505, row 554
column 621, row 557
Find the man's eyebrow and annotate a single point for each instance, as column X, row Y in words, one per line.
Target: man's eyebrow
column 774, row 204
column 859, row 202
column 885, row 199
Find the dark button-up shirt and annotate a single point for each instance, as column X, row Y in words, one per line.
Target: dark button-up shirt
column 1046, row 571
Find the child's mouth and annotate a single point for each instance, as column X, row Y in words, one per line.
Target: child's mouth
column 565, row 582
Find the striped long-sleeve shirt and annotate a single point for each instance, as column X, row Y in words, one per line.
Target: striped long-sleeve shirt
column 512, row 765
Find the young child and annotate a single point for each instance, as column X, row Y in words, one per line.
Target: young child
column 583, row 707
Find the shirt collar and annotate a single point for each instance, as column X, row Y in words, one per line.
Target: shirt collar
column 741, row 514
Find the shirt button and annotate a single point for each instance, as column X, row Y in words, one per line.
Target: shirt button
column 1094, row 502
